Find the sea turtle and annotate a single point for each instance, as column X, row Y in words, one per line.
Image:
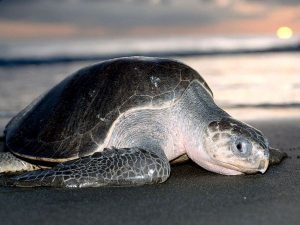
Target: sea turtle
column 120, row 122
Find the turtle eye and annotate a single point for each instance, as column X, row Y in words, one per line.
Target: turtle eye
column 242, row 147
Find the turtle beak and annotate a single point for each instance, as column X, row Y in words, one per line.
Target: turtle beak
column 264, row 163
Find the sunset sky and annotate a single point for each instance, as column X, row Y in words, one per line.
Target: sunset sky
column 31, row 19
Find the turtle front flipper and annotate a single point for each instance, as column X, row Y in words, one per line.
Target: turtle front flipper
column 276, row 156
column 112, row 167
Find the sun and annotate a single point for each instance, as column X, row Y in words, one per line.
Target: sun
column 284, row 32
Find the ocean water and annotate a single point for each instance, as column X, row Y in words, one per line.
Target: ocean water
column 249, row 86
column 253, row 86
column 84, row 49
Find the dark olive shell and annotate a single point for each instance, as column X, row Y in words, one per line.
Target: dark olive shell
column 73, row 118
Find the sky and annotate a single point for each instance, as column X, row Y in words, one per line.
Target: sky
column 32, row 19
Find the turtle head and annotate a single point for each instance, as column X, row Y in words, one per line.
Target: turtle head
column 235, row 148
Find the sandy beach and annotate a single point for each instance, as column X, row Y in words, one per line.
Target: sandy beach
column 248, row 52
column 192, row 195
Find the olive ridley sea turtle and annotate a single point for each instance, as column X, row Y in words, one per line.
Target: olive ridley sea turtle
column 121, row 122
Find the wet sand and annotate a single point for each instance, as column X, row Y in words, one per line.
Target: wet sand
column 244, row 80
column 191, row 195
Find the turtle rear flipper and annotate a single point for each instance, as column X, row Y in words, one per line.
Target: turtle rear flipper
column 276, row 156
column 113, row 167
column 11, row 164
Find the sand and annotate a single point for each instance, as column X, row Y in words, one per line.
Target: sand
column 191, row 195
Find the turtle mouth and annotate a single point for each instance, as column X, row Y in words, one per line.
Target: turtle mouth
column 262, row 168
column 223, row 168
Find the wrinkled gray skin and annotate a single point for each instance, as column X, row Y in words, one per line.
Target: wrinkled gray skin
column 158, row 110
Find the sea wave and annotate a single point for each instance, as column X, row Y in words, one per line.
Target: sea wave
column 60, row 51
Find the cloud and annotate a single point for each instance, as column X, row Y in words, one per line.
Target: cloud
column 25, row 30
column 125, row 13
column 125, row 17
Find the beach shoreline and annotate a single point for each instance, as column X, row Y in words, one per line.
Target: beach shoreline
column 191, row 195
